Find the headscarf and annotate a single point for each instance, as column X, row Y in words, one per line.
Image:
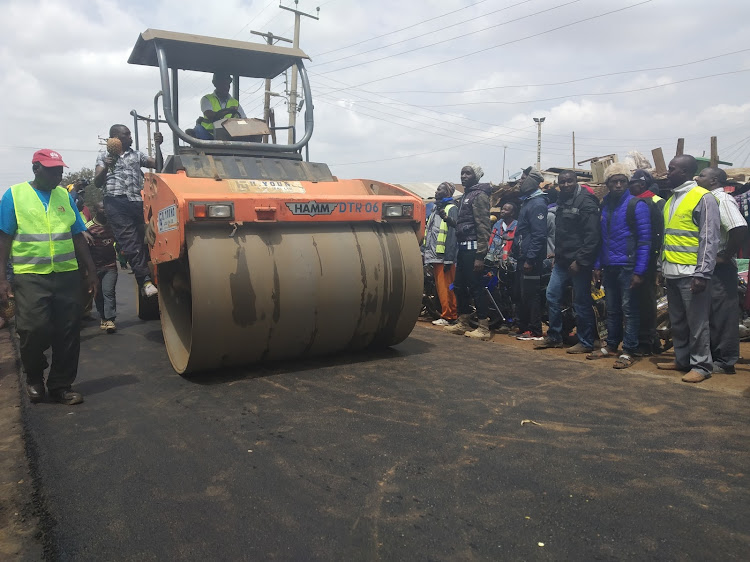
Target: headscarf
column 478, row 171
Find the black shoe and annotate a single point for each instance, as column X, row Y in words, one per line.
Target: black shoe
column 726, row 370
column 643, row 351
column 67, row 397
column 35, row 392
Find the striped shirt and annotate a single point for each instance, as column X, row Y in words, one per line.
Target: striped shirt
column 730, row 215
column 126, row 178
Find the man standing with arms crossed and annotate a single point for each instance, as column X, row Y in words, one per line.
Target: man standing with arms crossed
column 40, row 224
column 691, row 241
column 121, row 180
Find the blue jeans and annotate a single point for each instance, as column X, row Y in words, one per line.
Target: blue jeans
column 619, row 303
column 106, row 301
column 583, row 304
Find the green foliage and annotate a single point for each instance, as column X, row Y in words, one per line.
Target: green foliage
column 92, row 195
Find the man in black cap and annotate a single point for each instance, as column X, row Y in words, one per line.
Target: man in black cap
column 217, row 106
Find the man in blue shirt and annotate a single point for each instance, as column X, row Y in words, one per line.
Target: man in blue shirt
column 47, row 281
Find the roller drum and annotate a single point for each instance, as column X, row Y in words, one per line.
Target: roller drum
column 277, row 292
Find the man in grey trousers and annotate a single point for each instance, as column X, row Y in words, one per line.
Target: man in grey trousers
column 691, row 242
column 725, row 311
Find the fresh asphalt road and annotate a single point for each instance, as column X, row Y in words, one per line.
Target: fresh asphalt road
column 413, row 453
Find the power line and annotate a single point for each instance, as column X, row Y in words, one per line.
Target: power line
column 400, row 30
column 430, row 33
column 496, row 102
column 448, row 40
column 590, row 18
column 564, row 82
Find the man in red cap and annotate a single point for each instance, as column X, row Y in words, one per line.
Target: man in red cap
column 42, row 229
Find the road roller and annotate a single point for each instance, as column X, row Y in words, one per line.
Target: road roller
column 258, row 253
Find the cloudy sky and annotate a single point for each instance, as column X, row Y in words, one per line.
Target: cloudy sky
column 403, row 91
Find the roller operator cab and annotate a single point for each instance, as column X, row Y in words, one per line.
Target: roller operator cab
column 258, row 253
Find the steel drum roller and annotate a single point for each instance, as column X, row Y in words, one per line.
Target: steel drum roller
column 284, row 291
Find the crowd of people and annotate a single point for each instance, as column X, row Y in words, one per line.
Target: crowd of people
column 631, row 242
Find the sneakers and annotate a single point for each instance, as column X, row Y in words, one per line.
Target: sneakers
column 67, row 397
column 579, row 348
column 529, row 336
column 102, row 324
column 548, row 343
column 149, row 289
column 441, row 322
column 460, row 327
column 109, row 325
column 482, row 331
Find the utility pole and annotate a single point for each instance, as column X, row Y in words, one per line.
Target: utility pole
column 293, row 92
column 574, row 151
column 539, row 121
column 502, row 180
column 269, row 37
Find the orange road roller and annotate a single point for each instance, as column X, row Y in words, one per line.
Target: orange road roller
column 260, row 254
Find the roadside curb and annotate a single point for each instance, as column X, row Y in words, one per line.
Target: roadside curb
column 19, row 513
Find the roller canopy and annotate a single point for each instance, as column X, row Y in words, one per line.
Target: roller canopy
column 211, row 54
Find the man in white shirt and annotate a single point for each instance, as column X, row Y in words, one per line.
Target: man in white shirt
column 725, row 312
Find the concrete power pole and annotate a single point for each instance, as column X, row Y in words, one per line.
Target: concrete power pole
column 293, row 92
column 502, row 179
column 539, row 121
column 270, row 38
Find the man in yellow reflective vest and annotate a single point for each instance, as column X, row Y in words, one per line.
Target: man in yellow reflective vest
column 217, row 106
column 439, row 250
column 42, row 229
column 691, row 241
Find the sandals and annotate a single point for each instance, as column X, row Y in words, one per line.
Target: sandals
column 624, row 361
column 602, row 353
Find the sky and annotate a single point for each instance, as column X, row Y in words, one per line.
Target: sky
column 402, row 91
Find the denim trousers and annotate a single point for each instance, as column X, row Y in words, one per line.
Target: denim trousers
column 583, row 304
column 622, row 307
column 106, row 303
column 469, row 284
column 126, row 219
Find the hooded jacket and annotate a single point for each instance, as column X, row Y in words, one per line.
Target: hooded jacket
column 577, row 231
column 625, row 244
column 474, row 217
column 531, row 232
column 432, row 230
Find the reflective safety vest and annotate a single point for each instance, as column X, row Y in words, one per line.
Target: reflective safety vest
column 680, row 232
column 43, row 242
column 443, row 232
column 216, row 106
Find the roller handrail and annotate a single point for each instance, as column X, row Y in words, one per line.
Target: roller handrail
column 239, row 145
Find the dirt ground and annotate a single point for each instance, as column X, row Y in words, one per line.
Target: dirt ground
column 18, row 520
column 737, row 385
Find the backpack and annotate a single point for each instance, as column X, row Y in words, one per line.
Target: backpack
column 656, row 213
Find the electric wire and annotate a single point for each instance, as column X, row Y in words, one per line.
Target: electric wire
column 421, row 47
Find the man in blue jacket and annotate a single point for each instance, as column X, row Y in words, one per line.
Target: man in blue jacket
column 624, row 258
column 531, row 249
column 576, row 248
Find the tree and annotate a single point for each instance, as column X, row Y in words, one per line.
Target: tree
column 92, row 195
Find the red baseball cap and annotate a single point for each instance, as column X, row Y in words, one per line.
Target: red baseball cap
column 48, row 158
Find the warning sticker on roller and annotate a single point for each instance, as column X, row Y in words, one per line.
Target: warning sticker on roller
column 167, row 219
column 265, row 186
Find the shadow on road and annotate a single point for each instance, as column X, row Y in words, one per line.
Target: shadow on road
column 411, row 347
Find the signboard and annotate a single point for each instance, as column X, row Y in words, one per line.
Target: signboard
column 167, row 219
